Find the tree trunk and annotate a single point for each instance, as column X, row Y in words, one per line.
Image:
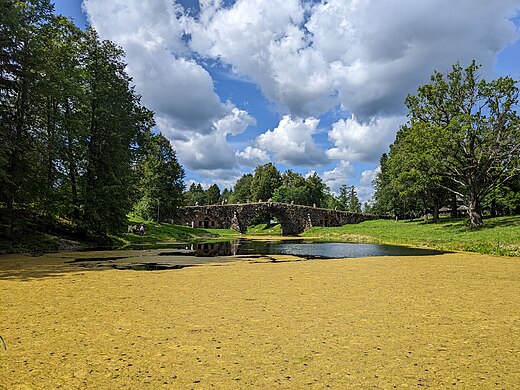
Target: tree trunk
column 435, row 213
column 475, row 215
column 454, row 212
column 493, row 210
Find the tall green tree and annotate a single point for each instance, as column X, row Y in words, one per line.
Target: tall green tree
column 292, row 189
column 22, row 65
column 116, row 123
column 161, row 185
column 212, row 194
column 474, row 128
column 317, row 190
column 414, row 168
column 195, row 195
column 265, row 181
column 348, row 199
column 62, row 129
column 242, row 189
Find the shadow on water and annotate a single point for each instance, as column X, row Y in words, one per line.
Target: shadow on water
column 180, row 256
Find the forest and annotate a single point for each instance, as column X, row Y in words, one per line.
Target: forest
column 75, row 141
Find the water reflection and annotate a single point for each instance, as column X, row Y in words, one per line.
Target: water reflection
column 188, row 255
column 297, row 248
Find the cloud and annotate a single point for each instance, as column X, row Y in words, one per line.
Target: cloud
column 292, row 143
column 340, row 175
column 306, row 57
column 235, row 122
column 368, row 176
column 252, row 156
column 366, row 55
column 365, row 189
column 365, row 142
column 172, row 83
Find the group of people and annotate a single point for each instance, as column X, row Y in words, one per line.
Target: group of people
column 136, row 230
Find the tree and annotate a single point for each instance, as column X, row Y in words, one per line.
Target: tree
column 227, row 195
column 265, row 180
column 195, row 195
column 62, row 127
column 72, row 128
column 317, row 190
column 292, row 190
column 212, row 194
column 116, row 123
column 242, row 190
column 161, row 185
column 387, row 199
column 348, row 199
column 21, row 65
column 414, row 168
column 474, row 129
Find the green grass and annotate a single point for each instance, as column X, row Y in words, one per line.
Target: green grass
column 264, row 230
column 162, row 234
column 499, row 236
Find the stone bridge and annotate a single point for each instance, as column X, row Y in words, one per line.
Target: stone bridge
column 294, row 219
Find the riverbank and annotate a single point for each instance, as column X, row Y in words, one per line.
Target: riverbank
column 38, row 235
column 433, row 321
column 499, row 236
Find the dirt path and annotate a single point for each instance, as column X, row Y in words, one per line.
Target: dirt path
column 433, row 321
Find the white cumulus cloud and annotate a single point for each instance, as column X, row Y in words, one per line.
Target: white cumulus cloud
column 306, row 57
column 292, row 143
column 365, row 142
column 252, row 156
column 340, row 175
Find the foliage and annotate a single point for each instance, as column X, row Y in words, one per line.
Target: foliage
column 473, row 125
column 265, row 181
column 292, row 189
column 195, row 195
column 242, row 190
column 317, row 190
column 161, row 185
column 72, row 129
column 348, row 199
column 212, row 194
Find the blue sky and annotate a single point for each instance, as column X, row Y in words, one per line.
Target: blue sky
column 307, row 85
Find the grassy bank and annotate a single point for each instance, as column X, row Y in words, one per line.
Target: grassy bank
column 38, row 234
column 158, row 234
column 264, row 230
column 499, row 236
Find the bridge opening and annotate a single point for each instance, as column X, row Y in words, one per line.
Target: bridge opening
column 206, row 223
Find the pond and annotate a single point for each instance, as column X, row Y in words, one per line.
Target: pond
column 186, row 255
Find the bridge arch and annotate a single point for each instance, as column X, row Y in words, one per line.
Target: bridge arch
column 294, row 219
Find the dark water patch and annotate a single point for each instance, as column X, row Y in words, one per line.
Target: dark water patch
column 93, row 259
column 150, row 266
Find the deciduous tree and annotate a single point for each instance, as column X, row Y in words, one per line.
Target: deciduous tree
column 474, row 129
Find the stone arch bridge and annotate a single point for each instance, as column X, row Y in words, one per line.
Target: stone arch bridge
column 294, row 219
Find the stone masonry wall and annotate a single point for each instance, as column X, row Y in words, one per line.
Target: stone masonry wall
column 294, row 219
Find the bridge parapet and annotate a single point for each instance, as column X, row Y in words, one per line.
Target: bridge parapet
column 294, row 219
